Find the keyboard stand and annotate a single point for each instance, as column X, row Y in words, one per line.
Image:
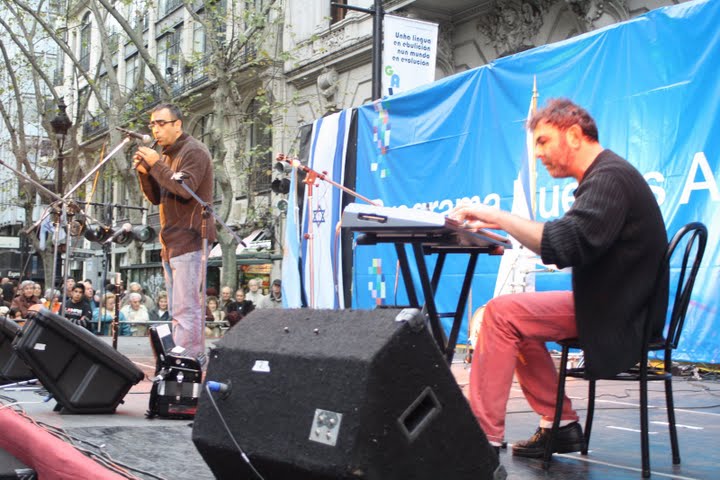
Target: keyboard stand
column 429, row 285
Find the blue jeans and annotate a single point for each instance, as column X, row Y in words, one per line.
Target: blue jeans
column 183, row 279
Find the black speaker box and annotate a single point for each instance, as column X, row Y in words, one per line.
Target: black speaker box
column 328, row 394
column 83, row 373
column 12, row 369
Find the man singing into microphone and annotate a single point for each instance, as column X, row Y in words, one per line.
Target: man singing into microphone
column 180, row 217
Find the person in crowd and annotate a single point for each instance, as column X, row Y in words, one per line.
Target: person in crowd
column 136, row 314
column 162, row 313
column 104, row 316
column 233, row 318
column 90, row 296
column 217, row 318
column 225, row 297
column 146, row 300
column 274, row 298
column 38, row 290
column 614, row 238
column 8, row 293
column 240, row 305
column 254, row 293
column 181, row 219
column 69, row 284
column 77, row 308
column 53, row 300
column 26, row 299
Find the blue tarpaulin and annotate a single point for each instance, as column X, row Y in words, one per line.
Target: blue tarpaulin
column 652, row 86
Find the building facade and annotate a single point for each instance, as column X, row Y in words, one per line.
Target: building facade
column 310, row 59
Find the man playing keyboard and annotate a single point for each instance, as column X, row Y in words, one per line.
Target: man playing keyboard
column 614, row 238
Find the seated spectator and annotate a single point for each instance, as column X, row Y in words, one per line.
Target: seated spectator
column 104, row 316
column 26, row 299
column 162, row 312
column 225, row 297
column 77, row 309
column 136, row 313
column 240, row 305
column 135, row 287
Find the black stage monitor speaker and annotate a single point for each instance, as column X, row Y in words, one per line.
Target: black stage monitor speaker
column 12, row 369
column 83, row 373
column 328, row 394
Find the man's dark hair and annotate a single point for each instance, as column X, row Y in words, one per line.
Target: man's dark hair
column 174, row 110
column 79, row 286
column 563, row 114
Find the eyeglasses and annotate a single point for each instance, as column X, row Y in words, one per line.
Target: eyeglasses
column 160, row 123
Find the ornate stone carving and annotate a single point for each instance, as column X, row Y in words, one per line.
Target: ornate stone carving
column 445, row 50
column 327, row 83
column 594, row 14
column 511, row 25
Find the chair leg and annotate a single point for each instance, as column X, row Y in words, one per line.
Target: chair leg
column 590, row 414
column 644, row 435
column 547, row 456
column 671, row 422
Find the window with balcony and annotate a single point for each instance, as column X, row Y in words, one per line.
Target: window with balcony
column 260, row 145
column 169, row 6
column 132, row 71
column 138, row 15
column 85, row 41
column 168, row 52
column 199, row 40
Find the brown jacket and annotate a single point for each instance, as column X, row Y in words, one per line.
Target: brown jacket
column 180, row 213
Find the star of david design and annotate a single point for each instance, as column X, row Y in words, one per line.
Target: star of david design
column 319, row 216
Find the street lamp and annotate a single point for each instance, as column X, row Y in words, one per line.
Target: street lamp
column 60, row 125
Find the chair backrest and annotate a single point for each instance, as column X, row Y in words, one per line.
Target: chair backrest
column 693, row 238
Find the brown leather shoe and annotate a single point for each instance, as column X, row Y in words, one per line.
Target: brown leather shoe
column 567, row 439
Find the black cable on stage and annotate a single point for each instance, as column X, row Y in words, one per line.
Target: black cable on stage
column 227, row 429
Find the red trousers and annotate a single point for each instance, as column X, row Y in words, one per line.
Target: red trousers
column 512, row 340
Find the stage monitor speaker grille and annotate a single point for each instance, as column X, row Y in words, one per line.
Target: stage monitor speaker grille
column 12, row 368
column 328, row 394
column 83, row 373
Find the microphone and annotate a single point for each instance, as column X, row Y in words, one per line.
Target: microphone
column 145, row 139
column 126, row 228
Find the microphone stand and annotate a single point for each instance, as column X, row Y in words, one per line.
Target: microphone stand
column 310, row 178
column 206, row 212
column 65, row 197
column 62, row 213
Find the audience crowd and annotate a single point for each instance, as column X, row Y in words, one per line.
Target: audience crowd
column 134, row 310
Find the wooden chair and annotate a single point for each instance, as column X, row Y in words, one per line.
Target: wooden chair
column 694, row 237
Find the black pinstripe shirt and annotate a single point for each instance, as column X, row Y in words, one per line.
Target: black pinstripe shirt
column 614, row 237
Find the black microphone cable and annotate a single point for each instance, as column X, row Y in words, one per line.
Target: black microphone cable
column 218, row 387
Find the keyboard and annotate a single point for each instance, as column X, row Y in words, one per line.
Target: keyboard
column 407, row 225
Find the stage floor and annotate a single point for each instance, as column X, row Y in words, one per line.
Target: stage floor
column 161, row 448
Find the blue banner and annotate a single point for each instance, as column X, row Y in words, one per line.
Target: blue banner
column 652, row 86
